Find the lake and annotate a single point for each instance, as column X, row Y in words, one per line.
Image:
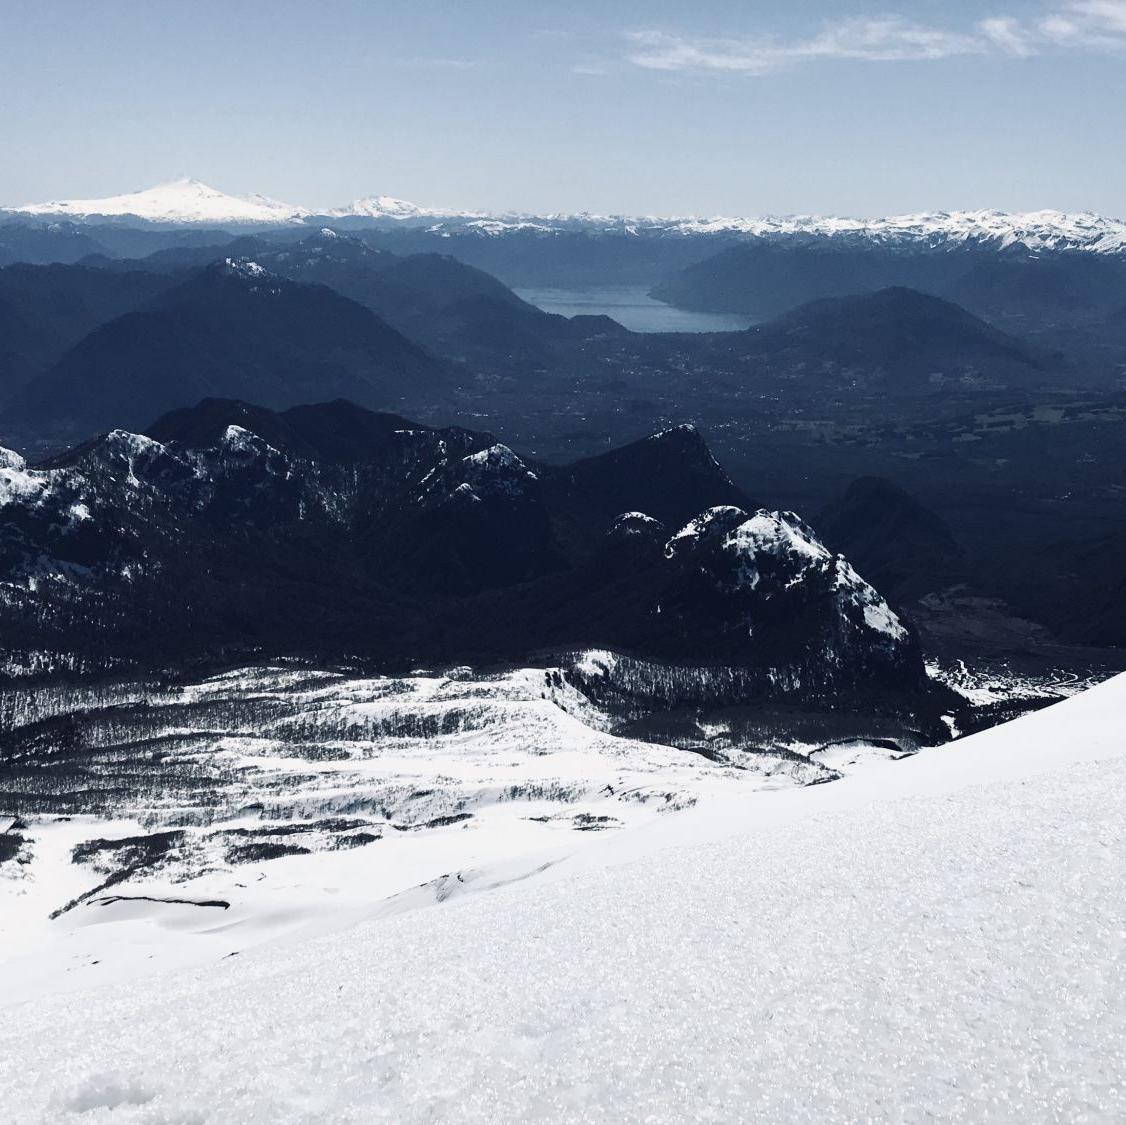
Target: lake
column 632, row 307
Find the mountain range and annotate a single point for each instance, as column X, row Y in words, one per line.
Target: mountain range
column 979, row 370
column 344, row 532
column 190, row 201
column 117, row 341
column 1045, row 279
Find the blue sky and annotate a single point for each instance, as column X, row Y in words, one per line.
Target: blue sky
column 706, row 108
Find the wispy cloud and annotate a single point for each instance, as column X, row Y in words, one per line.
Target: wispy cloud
column 1094, row 24
column 1008, row 35
column 881, row 40
column 444, row 63
column 1086, row 24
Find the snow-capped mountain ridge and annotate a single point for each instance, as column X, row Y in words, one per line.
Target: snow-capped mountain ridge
column 190, row 201
column 388, row 207
column 1046, row 229
column 1034, row 230
column 113, row 520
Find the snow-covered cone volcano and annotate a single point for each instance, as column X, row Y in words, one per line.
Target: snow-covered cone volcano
column 179, row 201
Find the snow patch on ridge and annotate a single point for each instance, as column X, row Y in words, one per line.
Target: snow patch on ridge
column 18, row 484
column 244, row 443
column 634, row 523
column 775, row 533
column 244, row 267
column 497, row 470
column 853, row 590
column 705, row 526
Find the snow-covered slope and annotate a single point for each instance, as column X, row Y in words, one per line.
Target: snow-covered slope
column 935, row 938
column 180, row 201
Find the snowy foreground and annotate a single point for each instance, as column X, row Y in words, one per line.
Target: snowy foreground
column 938, row 937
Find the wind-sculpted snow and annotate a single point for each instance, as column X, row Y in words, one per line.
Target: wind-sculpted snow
column 937, row 938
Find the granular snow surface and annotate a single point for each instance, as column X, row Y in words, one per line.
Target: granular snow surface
column 942, row 937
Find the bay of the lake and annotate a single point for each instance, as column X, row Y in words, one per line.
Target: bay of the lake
column 633, row 308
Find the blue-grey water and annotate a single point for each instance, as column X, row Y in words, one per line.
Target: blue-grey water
column 632, row 307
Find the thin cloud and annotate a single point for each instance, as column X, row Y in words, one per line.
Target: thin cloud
column 1092, row 24
column 875, row 40
column 1008, row 35
column 444, row 63
column 1087, row 24
column 1109, row 14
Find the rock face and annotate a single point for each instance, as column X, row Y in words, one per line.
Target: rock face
column 754, row 605
column 333, row 531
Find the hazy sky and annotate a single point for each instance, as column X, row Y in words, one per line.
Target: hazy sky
column 710, row 107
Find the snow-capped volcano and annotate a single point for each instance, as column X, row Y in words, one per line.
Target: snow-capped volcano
column 179, row 201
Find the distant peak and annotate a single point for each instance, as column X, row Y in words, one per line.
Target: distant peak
column 389, row 207
column 678, row 436
column 184, row 200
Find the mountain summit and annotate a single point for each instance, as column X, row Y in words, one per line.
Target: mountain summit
column 179, row 201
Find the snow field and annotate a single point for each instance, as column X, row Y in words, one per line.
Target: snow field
column 938, row 937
